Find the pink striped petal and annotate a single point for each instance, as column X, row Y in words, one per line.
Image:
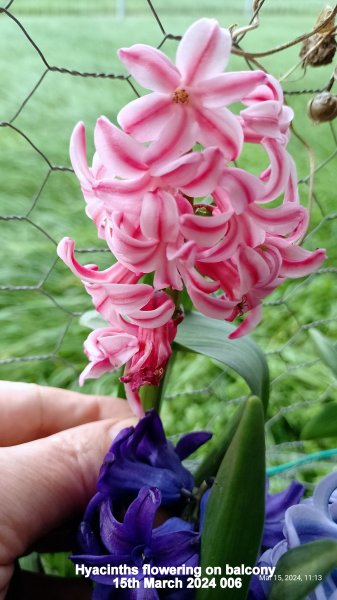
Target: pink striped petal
column 279, row 170
column 115, row 273
column 156, row 317
column 208, row 175
column 119, row 297
column 253, row 270
column 227, row 88
column 225, row 248
column 265, row 119
column 120, row 194
column 180, row 171
column 203, row 51
column 272, row 90
column 94, row 370
column 291, row 192
column 215, row 307
column 298, row 262
column 281, row 220
column 205, row 231
column 241, row 187
column 150, row 67
column 220, row 128
column 251, row 321
column 159, row 219
column 78, row 156
column 145, row 117
column 134, row 400
column 178, row 137
column 119, row 151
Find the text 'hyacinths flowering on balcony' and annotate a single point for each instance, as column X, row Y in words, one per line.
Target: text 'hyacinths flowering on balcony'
column 182, row 217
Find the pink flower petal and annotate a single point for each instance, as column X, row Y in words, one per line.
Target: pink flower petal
column 279, row 170
column 159, row 217
column 208, row 175
column 118, row 297
column 90, row 273
column 227, row 88
column 156, row 317
column 281, row 220
column 180, row 171
column 252, row 320
column 78, row 156
column 267, row 119
column 145, row 117
column 220, row 128
column 253, row 269
column 241, row 187
column 150, row 67
column 298, row 262
column 134, row 401
column 205, row 231
column 119, row 151
column 203, row 51
column 178, row 136
column 120, row 194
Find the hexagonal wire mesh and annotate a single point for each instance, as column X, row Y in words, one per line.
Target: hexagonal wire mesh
column 40, row 301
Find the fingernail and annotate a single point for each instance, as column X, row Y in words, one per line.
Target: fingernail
column 117, row 427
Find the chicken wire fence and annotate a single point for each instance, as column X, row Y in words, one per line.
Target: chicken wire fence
column 41, row 302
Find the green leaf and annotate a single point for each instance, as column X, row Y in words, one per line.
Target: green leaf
column 210, row 465
column 235, row 510
column 323, row 424
column 210, row 337
column 326, row 350
column 92, row 320
column 308, row 562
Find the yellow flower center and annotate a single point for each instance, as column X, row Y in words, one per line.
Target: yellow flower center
column 180, row 96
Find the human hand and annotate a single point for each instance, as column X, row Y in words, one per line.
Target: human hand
column 52, row 445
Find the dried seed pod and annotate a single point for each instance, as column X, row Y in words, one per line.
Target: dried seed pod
column 323, row 107
column 324, row 39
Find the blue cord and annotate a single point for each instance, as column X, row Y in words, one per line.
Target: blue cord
column 271, row 471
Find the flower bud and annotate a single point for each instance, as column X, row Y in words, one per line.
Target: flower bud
column 323, row 107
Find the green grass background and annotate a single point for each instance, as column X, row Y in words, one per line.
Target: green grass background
column 85, row 36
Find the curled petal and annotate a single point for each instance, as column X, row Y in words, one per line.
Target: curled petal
column 298, row 262
column 279, row 170
column 178, row 137
column 220, row 128
column 150, row 67
column 120, row 194
column 155, row 317
column 253, row 269
column 118, row 297
column 78, row 156
column 118, row 151
column 264, row 119
column 146, row 116
column 203, row 51
column 134, row 400
column 205, row 231
column 281, row 220
column 208, row 174
column 179, row 172
column 190, row 442
column 159, row 218
column 252, row 320
column 116, row 273
column 227, row 88
column 242, row 188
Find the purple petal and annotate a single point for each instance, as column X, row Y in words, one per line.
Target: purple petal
column 191, row 442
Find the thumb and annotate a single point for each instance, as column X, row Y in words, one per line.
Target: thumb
column 46, row 481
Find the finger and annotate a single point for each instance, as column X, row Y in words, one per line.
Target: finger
column 54, row 479
column 29, row 411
